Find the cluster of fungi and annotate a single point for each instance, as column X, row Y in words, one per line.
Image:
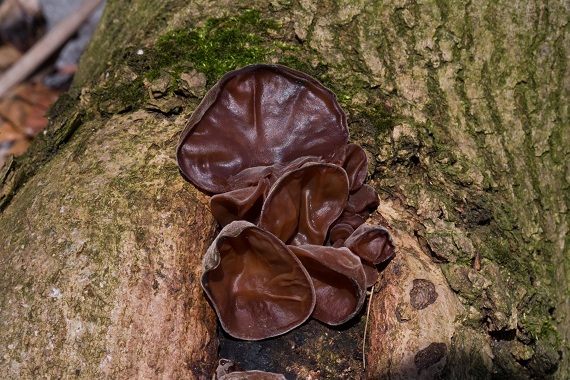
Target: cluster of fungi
column 270, row 145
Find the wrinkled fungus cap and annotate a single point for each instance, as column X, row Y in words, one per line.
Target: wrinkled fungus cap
column 239, row 204
column 339, row 281
column 271, row 145
column 256, row 117
column 356, row 165
column 303, row 204
column 257, row 286
column 371, row 243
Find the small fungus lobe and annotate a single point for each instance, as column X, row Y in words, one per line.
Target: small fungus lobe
column 339, row 281
column 228, row 370
column 270, row 145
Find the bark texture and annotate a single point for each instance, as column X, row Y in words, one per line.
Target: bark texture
column 100, row 252
column 463, row 110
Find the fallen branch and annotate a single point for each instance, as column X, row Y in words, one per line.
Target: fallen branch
column 46, row 46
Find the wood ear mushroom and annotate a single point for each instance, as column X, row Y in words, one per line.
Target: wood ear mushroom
column 257, row 286
column 270, row 144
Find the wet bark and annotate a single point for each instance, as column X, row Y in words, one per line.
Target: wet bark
column 462, row 110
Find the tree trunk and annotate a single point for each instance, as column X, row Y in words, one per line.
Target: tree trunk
column 463, row 110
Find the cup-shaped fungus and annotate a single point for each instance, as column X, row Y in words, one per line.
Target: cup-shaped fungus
column 257, row 286
column 339, row 281
column 363, row 200
column 373, row 244
column 271, row 144
column 355, row 163
column 239, row 204
column 303, row 203
column 254, row 118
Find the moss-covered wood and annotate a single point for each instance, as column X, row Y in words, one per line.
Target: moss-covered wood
column 463, row 109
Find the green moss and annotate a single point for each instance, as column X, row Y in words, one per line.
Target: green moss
column 488, row 81
column 120, row 96
column 220, row 45
column 65, row 105
column 113, row 41
column 443, row 7
column 536, row 318
column 399, row 22
column 436, row 108
column 381, row 119
column 293, row 61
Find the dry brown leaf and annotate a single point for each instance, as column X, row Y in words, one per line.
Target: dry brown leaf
column 22, row 116
column 8, row 55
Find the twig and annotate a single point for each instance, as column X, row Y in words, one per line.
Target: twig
column 47, row 45
column 366, row 328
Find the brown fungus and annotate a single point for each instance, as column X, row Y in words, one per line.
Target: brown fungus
column 256, row 117
column 339, row 281
column 303, row 204
column 239, row 204
column 257, row 286
column 339, row 233
column 355, row 163
column 373, row 244
column 362, row 200
column 271, row 145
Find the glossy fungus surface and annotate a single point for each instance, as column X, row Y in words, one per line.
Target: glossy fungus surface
column 256, row 284
column 303, row 204
column 339, row 281
column 371, row 243
column 270, row 144
column 255, row 117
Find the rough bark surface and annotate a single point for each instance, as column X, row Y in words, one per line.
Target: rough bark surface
column 100, row 253
column 463, row 110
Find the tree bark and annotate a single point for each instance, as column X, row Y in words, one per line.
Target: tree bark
column 463, row 110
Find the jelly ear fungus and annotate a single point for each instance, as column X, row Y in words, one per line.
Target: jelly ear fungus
column 270, row 144
column 254, row 118
column 257, row 286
